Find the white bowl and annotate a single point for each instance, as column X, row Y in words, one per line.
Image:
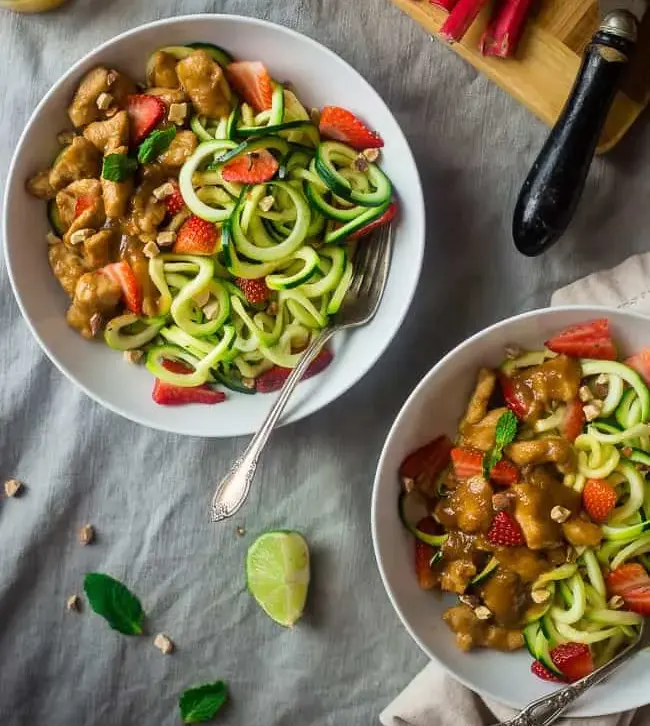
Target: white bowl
column 321, row 78
column 435, row 407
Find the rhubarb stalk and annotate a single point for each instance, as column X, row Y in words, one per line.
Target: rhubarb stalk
column 460, row 19
column 444, row 4
column 504, row 31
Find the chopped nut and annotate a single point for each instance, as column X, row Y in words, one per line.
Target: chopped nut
column 601, row 385
column 81, row 235
column 202, row 298
column 111, row 77
column 615, row 602
column 248, row 383
column 65, row 137
column 177, row 113
column 540, row 596
column 585, row 394
column 483, row 613
column 371, row 154
column 592, row 409
column 133, row 356
column 13, row 487
column 602, row 380
column 501, row 501
column 314, row 115
column 272, row 308
column 163, row 643
column 361, row 163
column 163, row 191
column 408, row 484
column 166, row 239
column 471, row 600
column 512, row 352
column 241, row 531
column 73, row 603
column 96, row 324
column 211, row 310
column 560, row 514
column 266, row 203
column 151, row 250
column 104, row 100
column 52, row 239
column 86, row 534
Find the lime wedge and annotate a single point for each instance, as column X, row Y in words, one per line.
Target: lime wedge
column 277, row 571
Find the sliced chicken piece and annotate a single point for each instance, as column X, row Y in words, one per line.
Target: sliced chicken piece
column 205, row 84
column 116, row 197
column 147, row 212
column 472, row 632
column 481, row 435
column 179, row 151
column 81, row 204
column 99, row 250
column 456, row 575
column 478, row 403
column 66, row 265
column 582, row 533
column 527, row 564
column 161, row 70
column 553, row 449
column 505, row 596
column 169, row 95
column 96, row 297
column 84, row 109
column 109, row 135
column 468, row 507
column 39, row 185
column 79, row 160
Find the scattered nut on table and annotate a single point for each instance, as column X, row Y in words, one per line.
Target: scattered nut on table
column 86, row 534
column 241, row 531
column 13, row 487
column 163, row 643
column 73, row 604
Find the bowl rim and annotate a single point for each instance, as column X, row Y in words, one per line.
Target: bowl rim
column 467, row 343
column 306, row 407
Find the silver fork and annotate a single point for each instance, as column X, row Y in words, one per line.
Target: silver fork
column 370, row 272
column 545, row 711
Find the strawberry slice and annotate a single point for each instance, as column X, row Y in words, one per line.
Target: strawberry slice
column 167, row 394
column 196, row 237
column 638, row 600
column 469, row 462
column 254, row 168
column 541, row 671
column 176, row 366
column 428, row 461
column 512, row 397
column 505, row 531
column 586, row 340
column 145, row 113
column 423, row 555
column 123, row 275
column 252, row 82
column 82, row 203
column 342, row 125
column 573, row 659
column 274, row 378
column 256, row 291
column 641, row 363
column 598, row 499
column 574, row 420
column 385, row 218
column 627, row 577
column 175, row 202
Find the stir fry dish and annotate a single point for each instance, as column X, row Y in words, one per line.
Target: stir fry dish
column 205, row 222
column 537, row 515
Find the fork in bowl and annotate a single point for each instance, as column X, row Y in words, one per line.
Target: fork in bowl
column 370, row 272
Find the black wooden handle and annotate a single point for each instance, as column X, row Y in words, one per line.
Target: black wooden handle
column 554, row 185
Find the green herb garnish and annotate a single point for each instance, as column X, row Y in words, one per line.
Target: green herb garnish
column 201, row 703
column 114, row 602
column 505, row 433
column 155, row 144
column 118, row 167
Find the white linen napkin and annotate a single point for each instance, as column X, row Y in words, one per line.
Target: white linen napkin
column 433, row 698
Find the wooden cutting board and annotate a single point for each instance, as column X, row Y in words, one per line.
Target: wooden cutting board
column 548, row 59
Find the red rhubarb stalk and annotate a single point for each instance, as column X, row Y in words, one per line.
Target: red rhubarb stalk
column 444, row 4
column 460, row 19
column 503, row 33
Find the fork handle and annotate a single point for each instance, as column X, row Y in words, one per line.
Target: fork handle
column 234, row 487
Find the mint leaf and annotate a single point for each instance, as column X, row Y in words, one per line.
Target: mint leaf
column 201, row 703
column 114, row 602
column 506, row 429
column 504, row 434
column 155, row 144
column 118, row 167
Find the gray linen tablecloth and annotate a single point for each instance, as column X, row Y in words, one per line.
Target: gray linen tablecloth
column 146, row 492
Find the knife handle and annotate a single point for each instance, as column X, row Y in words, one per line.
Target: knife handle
column 554, row 185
